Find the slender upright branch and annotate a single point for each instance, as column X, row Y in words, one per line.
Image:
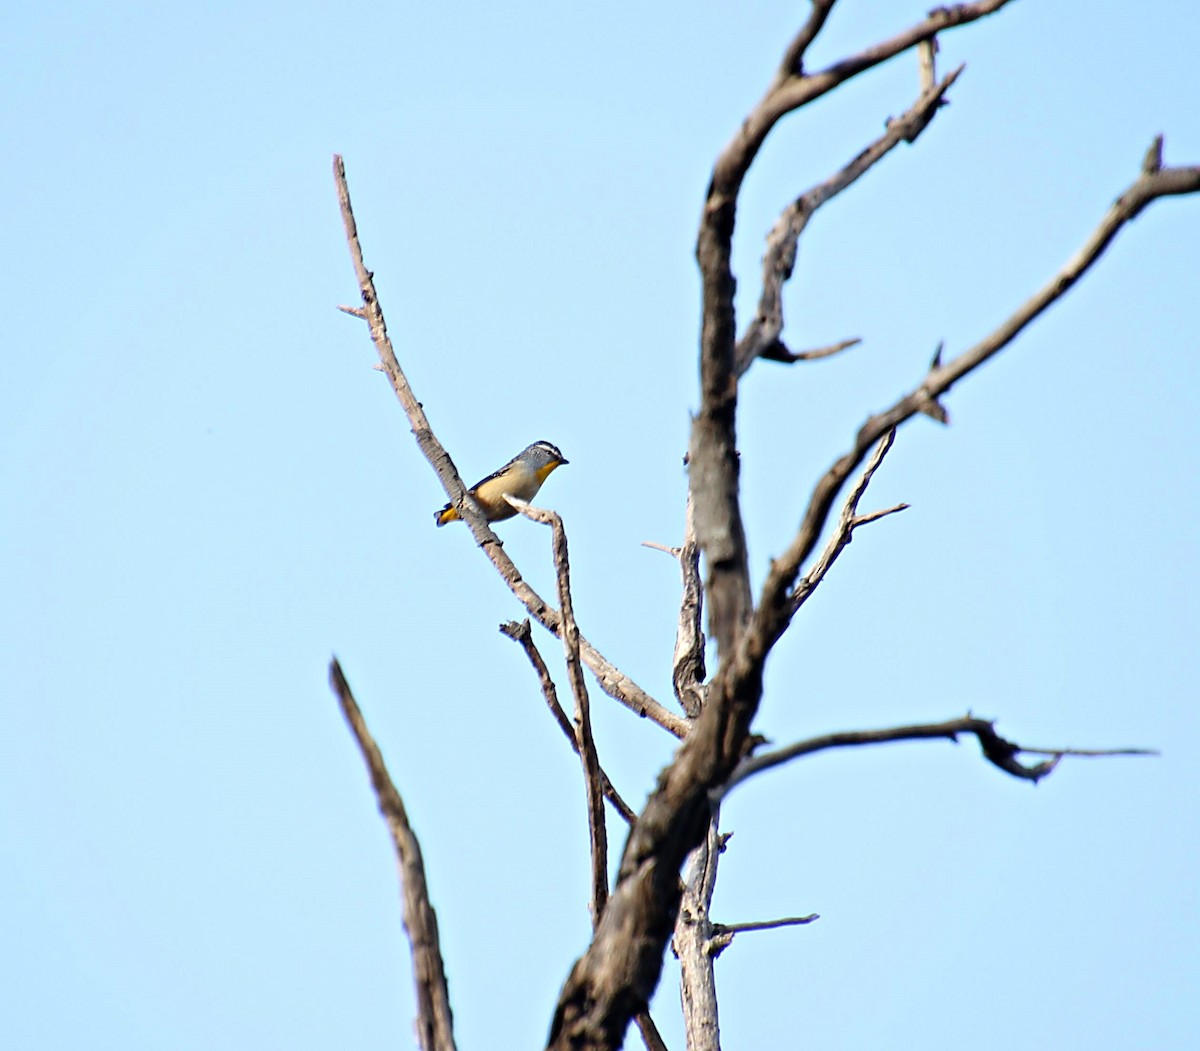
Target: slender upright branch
column 592, row 774
column 998, row 751
column 612, row 681
column 435, row 1022
column 521, row 634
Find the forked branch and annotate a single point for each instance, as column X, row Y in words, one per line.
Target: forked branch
column 774, row 610
column 848, row 521
column 713, row 457
column 612, row 681
column 621, row 967
column 764, row 336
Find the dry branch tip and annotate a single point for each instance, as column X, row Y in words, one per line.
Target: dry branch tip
column 1153, row 161
column 674, row 552
column 435, row 1021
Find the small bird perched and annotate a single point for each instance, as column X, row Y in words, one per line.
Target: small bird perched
column 522, row 476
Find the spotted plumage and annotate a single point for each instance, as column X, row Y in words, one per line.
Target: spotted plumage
column 522, row 476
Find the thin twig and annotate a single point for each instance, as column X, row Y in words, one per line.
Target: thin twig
column 612, row 680
column 848, row 521
column 997, row 750
column 778, row 351
column 723, row 933
column 592, row 774
column 435, row 1022
column 1090, row 753
column 523, row 635
column 666, row 549
column 765, row 925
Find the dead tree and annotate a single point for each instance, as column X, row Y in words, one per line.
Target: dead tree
column 669, row 861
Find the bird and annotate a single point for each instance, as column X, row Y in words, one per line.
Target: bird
column 522, row 476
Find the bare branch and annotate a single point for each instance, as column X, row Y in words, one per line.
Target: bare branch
column 848, row 521
column 774, row 610
column 666, row 549
column 651, row 1037
column 596, row 781
column 927, row 62
column 793, row 59
column 592, row 774
column 688, row 662
column 521, row 634
column 621, row 967
column 1153, row 160
column 687, row 665
column 997, row 750
column 612, row 680
column 778, row 351
column 435, row 1022
column 713, row 457
column 763, row 336
column 1091, row 753
column 764, row 925
column 875, row 516
column 800, row 91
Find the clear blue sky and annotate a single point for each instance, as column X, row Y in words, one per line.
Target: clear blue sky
column 209, row 491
